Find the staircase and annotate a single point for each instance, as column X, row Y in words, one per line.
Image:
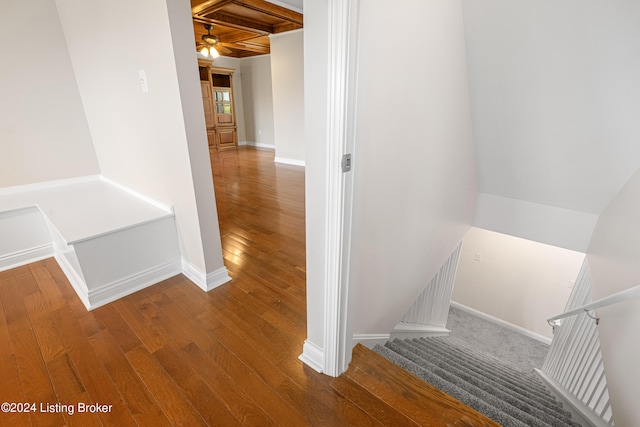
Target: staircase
column 481, row 381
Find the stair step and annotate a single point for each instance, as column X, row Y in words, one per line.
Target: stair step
column 523, row 385
column 503, row 393
column 467, row 398
column 528, row 404
column 421, row 403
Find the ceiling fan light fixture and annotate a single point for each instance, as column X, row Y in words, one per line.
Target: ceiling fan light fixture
column 210, row 39
column 209, row 52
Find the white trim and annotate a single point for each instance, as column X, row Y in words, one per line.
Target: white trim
column 370, row 340
column 150, row 200
column 410, row 330
column 47, row 184
column 285, row 161
column 312, row 356
column 193, row 274
column 217, row 278
column 130, row 284
column 258, row 145
column 582, row 410
column 501, row 322
column 25, row 256
column 205, row 282
column 74, row 277
column 338, row 342
column 114, row 231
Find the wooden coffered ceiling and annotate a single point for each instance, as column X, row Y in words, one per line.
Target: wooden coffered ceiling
column 242, row 26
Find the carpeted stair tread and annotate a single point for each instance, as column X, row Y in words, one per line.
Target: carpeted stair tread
column 523, row 389
column 483, row 358
column 501, row 401
column 526, row 382
column 486, row 382
column 527, row 385
column 460, row 394
column 479, row 380
column 488, row 362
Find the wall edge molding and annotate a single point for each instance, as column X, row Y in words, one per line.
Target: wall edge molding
column 501, row 322
column 217, row 278
column 370, row 340
column 206, row 282
column 287, row 161
column 312, row 356
column 130, row 284
column 258, row 145
column 405, row 330
column 26, row 256
column 150, row 200
column 43, row 185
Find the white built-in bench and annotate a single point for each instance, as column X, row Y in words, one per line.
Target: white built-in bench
column 108, row 240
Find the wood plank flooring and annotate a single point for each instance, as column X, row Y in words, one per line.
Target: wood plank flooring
column 174, row 355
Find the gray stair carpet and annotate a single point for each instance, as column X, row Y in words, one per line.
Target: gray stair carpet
column 500, row 391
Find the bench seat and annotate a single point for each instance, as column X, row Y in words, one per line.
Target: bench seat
column 108, row 240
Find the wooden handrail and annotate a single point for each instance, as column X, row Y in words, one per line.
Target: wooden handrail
column 627, row 294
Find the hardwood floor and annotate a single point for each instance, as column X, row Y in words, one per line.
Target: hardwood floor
column 175, row 355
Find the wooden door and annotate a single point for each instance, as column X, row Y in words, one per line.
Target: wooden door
column 223, row 104
column 207, row 102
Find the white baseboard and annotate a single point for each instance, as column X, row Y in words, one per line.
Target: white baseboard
column 25, row 256
column 120, row 288
column 409, row 330
column 205, row 282
column 291, row 162
column 258, row 145
column 312, row 356
column 370, row 340
column 152, row 201
column 47, row 184
column 582, row 410
column 128, row 285
column 501, row 322
column 77, row 281
column 217, row 278
column 193, row 274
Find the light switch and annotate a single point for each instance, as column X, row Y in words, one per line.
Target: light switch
column 143, row 81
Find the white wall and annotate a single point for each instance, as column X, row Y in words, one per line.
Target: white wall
column 43, row 129
column 257, row 99
column 315, row 115
column 287, row 71
column 181, row 26
column 613, row 256
column 556, row 97
column 147, row 141
column 542, row 223
column 234, row 63
column 516, row 280
column 415, row 176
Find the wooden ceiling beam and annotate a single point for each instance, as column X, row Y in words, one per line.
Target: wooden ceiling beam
column 285, row 26
column 209, row 6
column 236, row 22
column 247, row 47
column 272, row 10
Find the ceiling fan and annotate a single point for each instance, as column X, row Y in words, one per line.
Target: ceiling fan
column 210, row 45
